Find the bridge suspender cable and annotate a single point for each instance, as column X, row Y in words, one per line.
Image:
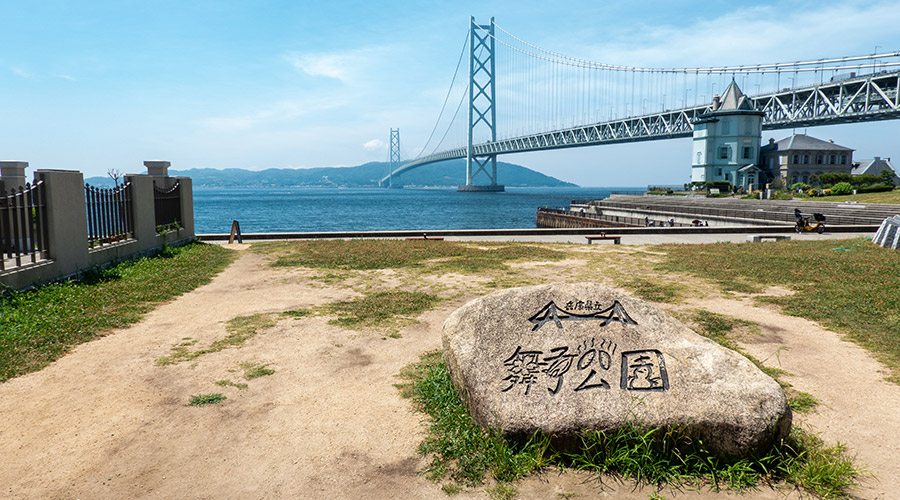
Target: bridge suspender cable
column 547, row 100
column 446, row 98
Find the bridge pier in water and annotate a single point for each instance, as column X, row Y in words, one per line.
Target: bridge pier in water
column 472, row 188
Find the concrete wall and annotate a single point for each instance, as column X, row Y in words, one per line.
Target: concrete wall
column 67, row 227
column 559, row 220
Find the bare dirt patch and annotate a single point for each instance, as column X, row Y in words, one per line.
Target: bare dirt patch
column 856, row 405
column 107, row 421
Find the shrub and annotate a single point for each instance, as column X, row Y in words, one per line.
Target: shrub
column 876, row 188
column 841, row 188
column 827, row 192
column 778, row 195
column 814, row 192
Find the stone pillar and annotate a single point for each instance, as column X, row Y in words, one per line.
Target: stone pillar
column 157, row 168
column 187, row 206
column 66, row 219
column 12, row 173
column 144, row 210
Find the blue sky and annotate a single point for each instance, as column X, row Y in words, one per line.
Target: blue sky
column 94, row 85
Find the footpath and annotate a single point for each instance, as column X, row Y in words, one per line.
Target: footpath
column 107, row 421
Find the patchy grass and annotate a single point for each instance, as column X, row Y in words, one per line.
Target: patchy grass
column 381, row 308
column 41, row 325
column 298, row 313
column 736, row 284
column 365, row 254
column 502, row 491
column 227, row 383
column 451, row 488
column 469, row 454
column 717, row 326
column 653, row 289
column 846, row 285
column 458, row 447
column 254, row 370
column 207, row 399
column 721, row 328
column 240, row 330
column 802, row 402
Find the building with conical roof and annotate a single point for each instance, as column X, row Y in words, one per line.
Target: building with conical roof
column 726, row 141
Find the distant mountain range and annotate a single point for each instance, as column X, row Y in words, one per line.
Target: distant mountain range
column 447, row 173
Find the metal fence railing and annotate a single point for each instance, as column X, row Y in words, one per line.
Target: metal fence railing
column 110, row 216
column 591, row 219
column 23, row 225
column 167, row 205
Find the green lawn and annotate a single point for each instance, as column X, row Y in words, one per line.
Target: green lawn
column 40, row 325
column 885, row 197
column 466, row 454
column 850, row 286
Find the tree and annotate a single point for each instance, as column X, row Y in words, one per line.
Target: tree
column 830, row 178
column 865, row 180
column 887, row 176
column 115, row 174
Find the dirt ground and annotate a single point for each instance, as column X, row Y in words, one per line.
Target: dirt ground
column 107, row 421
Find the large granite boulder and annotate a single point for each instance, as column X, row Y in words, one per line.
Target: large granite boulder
column 563, row 358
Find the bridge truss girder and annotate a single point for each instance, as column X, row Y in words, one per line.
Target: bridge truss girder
column 862, row 99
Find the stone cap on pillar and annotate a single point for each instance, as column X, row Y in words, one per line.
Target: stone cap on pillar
column 13, row 173
column 157, row 167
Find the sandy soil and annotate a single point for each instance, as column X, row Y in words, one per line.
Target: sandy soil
column 106, row 421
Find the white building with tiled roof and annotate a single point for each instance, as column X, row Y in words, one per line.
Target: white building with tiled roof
column 874, row 167
column 799, row 157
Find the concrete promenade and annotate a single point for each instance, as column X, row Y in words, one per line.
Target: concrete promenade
column 630, row 236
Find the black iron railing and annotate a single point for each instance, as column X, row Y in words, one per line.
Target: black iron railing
column 110, row 215
column 23, row 225
column 167, row 204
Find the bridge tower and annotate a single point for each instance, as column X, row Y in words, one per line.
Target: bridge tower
column 395, row 154
column 482, row 110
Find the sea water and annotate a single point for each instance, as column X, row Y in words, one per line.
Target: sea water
column 265, row 210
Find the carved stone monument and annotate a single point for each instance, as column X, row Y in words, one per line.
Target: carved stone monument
column 563, row 358
column 888, row 234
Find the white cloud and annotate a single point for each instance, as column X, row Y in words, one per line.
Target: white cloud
column 375, row 145
column 67, row 77
column 277, row 112
column 761, row 34
column 334, row 66
column 346, row 66
column 24, row 73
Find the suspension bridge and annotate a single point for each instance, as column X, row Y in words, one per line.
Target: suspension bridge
column 518, row 97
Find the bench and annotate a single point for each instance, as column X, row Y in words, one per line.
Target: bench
column 756, row 238
column 617, row 240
